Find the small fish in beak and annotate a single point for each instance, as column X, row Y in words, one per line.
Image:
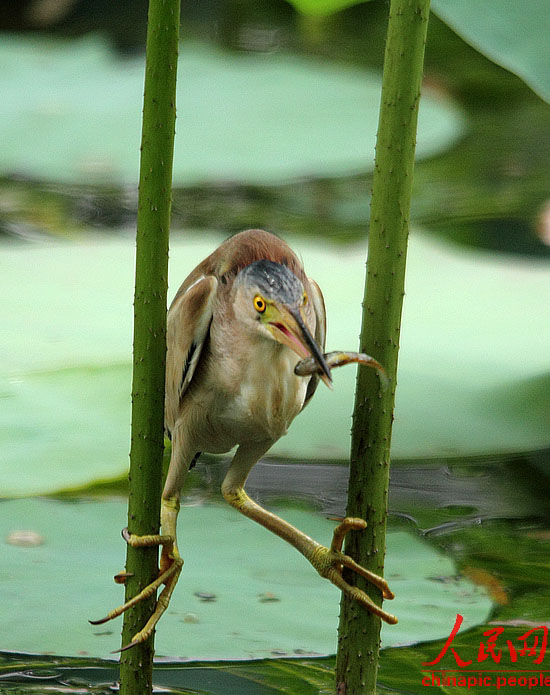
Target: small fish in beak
column 338, row 358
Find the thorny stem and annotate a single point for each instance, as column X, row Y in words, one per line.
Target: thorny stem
column 359, row 631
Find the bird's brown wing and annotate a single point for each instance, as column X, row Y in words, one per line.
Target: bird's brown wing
column 188, row 324
column 316, row 298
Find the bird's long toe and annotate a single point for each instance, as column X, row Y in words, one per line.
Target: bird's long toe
column 146, row 541
column 170, row 568
column 163, row 602
column 147, row 592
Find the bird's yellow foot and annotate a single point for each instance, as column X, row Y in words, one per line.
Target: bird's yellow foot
column 171, row 563
column 329, row 562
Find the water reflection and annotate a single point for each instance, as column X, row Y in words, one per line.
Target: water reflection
column 433, row 496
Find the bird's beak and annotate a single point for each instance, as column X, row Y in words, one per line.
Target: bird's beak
column 289, row 328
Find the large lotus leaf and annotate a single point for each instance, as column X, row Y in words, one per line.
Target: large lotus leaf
column 69, row 304
column 64, row 428
column 473, row 366
column 512, row 34
column 71, row 112
column 259, row 610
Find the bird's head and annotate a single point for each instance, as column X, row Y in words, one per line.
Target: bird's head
column 270, row 299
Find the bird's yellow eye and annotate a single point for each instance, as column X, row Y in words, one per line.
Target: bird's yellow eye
column 259, row 304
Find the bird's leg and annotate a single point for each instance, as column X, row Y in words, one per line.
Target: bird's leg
column 171, row 563
column 328, row 561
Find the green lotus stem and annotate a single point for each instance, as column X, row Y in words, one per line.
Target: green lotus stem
column 155, row 185
column 359, row 631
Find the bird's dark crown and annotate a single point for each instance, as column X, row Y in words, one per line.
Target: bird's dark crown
column 273, row 280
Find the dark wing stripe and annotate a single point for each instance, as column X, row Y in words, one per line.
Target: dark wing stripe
column 194, row 460
column 186, row 366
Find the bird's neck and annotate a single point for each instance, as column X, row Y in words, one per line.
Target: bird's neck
column 264, row 389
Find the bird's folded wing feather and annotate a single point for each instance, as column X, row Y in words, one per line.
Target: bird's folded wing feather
column 187, row 330
column 316, row 298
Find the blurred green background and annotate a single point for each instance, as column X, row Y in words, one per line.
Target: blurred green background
column 277, row 118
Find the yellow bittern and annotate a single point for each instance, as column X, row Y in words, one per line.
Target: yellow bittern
column 240, row 325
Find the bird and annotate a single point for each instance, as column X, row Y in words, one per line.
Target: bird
column 245, row 353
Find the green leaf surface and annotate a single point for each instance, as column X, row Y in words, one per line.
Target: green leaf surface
column 474, row 371
column 512, row 34
column 50, row 590
column 71, row 113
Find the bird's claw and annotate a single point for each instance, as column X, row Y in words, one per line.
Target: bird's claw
column 170, row 568
column 122, row 577
column 329, row 562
